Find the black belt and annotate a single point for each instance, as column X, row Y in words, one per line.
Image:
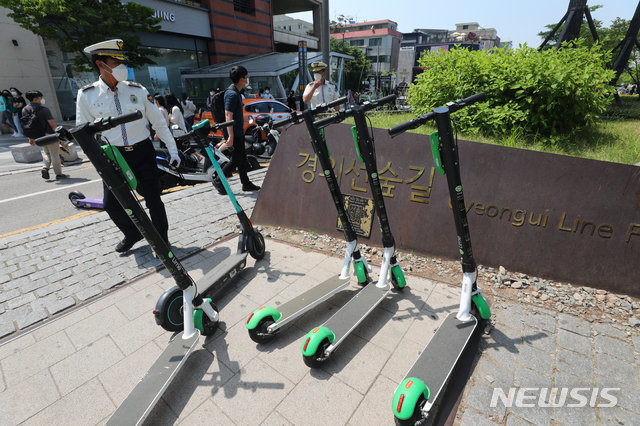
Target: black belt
column 132, row 147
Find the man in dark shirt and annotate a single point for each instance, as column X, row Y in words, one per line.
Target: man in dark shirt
column 233, row 110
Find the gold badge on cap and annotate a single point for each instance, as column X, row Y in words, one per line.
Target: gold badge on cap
column 120, row 44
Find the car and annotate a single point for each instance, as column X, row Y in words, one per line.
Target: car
column 252, row 108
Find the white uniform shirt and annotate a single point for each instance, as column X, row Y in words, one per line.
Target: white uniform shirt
column 97, row 100
column 323, row 94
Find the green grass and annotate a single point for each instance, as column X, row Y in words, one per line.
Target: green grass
column 615, row 137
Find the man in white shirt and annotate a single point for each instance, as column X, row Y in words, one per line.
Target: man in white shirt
column 112, row 96
column 320, row 91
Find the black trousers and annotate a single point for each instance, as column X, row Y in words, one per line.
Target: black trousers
column 238, row 160
column 142, row 160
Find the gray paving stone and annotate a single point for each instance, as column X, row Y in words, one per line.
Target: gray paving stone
column 474, row 418
column 539, row 339
column 616, row 369
column 541, row 321
column 31, row 286
column 539, row 416
column 8, row 295
column 25, row 316
column 575, row 364
column 535, row 359
column 609, row 330
column 617, row 416
column 527, row 378
column 19, row 301
column 627, row 396
column 22, row 272
column 514, row 420
column 6, row 325
column 479, row 398
column 48, row 289
column 512, row 316
column 574, row 324
column 53, row 304
column 579, row 416
column 636, row 342
column 574, row 342
column 4, row 278
column 614, row 347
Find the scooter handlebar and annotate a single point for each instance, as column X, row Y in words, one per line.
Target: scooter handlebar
column 341, row 115
column 218, row 126
column 419, row 121
column 375, row 104
column 48, row 140
column 106, row 123
column 296, row 117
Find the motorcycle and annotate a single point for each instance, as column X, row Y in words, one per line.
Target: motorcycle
column 262, row 139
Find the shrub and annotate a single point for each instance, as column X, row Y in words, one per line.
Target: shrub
column 552, row 92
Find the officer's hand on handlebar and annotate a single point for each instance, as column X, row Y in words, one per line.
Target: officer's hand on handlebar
column 174, row 160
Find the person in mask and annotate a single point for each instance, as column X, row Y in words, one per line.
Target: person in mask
column 319, row 91
column 111, row 96
column 233, row 110
column 212, row 93
column 267, row 93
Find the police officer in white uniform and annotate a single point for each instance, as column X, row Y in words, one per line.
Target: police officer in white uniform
column 319, row 91
column 112, row 96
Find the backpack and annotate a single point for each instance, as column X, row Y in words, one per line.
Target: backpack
column 217, row 107
column 32, row 126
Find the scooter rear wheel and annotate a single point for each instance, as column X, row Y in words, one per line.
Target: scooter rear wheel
column 417, row 414
column 76, row 195
column 316, row 360
column 255, row 245
column 260, row 334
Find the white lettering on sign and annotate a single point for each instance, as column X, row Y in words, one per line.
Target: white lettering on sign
column 163, row 14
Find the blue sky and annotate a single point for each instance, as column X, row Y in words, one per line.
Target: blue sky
column 518, row 21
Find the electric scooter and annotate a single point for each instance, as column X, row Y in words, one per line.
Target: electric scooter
column 264, row 323
column 322, row 341
column 199, row 315
column 426, row 381
column 79, row 200
column 168, row 311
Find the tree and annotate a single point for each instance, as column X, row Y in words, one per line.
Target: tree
column 355, row 68
column 585, row 32
column 338, row 26
column 75, row 24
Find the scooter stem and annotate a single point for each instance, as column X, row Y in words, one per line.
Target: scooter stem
column 187, row 306
column 468, row 279
column 351, row 246
column 383, row 279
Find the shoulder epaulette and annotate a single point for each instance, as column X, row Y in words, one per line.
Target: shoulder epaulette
column 88, row 86
column 134, row 84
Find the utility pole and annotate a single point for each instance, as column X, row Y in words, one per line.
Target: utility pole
column 326, row 46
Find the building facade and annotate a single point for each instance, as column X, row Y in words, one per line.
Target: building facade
column 288, row 31
column 378, row 40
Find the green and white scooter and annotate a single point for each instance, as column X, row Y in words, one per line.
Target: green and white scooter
column 322, row 341
column 264, row 323
column 426, row 381
column 168, row 311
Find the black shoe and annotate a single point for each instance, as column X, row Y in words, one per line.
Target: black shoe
column 45, row 173
column 250, row 187
column 126, row 244
column 62, row 176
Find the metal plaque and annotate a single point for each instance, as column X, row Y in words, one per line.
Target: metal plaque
column 360, row 211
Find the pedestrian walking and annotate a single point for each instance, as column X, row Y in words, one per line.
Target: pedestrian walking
column 233, row 110
column 189, row 109
column 6, row 111
column 18, row 104
column 37, row 122
column 176, row 115
column 110, row 96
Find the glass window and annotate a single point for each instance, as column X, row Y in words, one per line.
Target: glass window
column 375, row 41
column 277, row 107
column 245, row 6
column 356, row 42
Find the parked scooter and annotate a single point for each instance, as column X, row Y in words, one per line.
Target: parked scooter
column 261, row 140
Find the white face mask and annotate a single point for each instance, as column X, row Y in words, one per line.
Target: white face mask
column 14, row 93
column 266, row 91
column 317, row 76
column 248, row 81
column 42, row 101
column 120, row 72
column 210, row 93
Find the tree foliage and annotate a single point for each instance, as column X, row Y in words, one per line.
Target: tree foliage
column 550, row 92
column 75, row 24
column 355, row 68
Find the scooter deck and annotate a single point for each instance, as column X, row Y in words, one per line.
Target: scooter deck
column 354, row 311
column 309, row 299
column 216, row 279
column 437, row 361
column 143, row 398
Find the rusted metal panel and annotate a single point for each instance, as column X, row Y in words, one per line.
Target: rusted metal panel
column 552, row 216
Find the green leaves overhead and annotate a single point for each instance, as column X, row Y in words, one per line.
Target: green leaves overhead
column 75, row 24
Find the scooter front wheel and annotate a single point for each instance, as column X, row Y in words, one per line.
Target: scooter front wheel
column 203, row 323
column 397, row 278
column 75, row 195
column 316, row 360
column 169, row 310
column 260, row 334
column 255, row 245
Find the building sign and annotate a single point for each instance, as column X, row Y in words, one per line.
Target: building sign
column 164, row 15
column 180, row 17
column 558, row 217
